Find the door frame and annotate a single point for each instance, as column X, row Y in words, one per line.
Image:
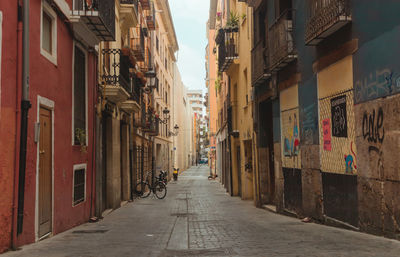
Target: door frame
column 48, row 104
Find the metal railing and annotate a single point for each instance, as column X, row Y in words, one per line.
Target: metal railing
column 137, row 44
column 228, row 47
column 324, row 14
column 260, row 63
column 116, row 69
column 151, row 125
column 147, row 64
column 151, row 17
column 99, row 16
column 281, row 41
column 145, row 4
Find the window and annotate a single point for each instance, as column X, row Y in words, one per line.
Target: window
column 79, row 97
column 79, row 185
column 157, row 44
column 48, row 33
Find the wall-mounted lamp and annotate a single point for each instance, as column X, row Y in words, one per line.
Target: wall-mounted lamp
column 175, row 132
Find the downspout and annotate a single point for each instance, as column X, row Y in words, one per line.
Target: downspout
column 25, row 106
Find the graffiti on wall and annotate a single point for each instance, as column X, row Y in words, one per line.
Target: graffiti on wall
column 290, row 139
column 379, row 83
column 374, row 132
column 309, row 124
column 372, row 126
column 350, row 160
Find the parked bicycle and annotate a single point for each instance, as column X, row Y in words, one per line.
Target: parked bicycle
column 144, row 188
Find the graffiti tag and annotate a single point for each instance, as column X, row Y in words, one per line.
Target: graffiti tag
column 372, row 127
column 378, row 84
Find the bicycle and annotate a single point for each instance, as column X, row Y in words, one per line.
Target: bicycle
column 144, row 188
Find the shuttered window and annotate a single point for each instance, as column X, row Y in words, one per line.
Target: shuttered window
column 79, row 97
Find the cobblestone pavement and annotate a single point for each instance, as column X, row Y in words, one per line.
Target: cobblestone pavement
column 197, row 218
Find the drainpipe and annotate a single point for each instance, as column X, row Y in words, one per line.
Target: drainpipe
column 25, row 106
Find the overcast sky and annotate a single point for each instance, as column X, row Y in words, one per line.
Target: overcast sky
column 190, row 18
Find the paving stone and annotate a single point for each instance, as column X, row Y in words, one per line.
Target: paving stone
column 217, row 225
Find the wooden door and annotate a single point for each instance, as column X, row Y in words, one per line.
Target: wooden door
column 239, row 170
column 45, row 173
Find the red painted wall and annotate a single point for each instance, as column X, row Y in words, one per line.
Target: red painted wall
column 8, row 118
column 55, row 83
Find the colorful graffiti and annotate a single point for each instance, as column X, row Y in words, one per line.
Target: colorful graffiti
column 292, row 139
column 350, row 160
column 378, row 84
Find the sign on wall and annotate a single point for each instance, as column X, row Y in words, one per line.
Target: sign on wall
column 339, row 116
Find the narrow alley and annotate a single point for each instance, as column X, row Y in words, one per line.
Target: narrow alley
column 197, row 218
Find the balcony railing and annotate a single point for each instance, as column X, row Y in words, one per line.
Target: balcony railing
column 228, row 47
column 281, row 41
column 260, row 64
column 151, row 125
column 116, row 69
column 151, row 17
column 326, row 17
column 137, row 44
column 145, row 4
column 98, row 15
column 147, row 64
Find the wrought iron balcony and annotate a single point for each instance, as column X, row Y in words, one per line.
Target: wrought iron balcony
column 281, row 41
column 147, row 64
column 151, row 126
column 94, row 20
column 326, row 17
column 145, row 4
column 151, row 17
column 260, row 64
column 228, row 47
column 137, row 44
column 128, row 13
column 133, row 102
column 116, row 75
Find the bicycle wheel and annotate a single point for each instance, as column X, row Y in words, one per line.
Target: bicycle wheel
column 160, row 190
column 142, row 189
column 146, row 190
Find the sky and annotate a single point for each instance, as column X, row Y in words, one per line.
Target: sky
column 190, row 18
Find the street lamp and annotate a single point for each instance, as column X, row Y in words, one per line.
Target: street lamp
column 175, row 132
column 151, row 81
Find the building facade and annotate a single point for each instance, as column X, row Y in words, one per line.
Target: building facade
column 322, row 86
column 165, row 46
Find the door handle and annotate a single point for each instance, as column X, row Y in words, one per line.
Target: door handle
column 41, row 152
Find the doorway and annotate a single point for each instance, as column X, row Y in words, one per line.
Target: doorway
column 45, row 173
column 239, row 170
column 266, row 153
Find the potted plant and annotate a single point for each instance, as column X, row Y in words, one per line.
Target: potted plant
column 232, row 24
column 80, row 137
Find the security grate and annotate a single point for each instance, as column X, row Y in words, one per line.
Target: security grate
column 337, row 133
